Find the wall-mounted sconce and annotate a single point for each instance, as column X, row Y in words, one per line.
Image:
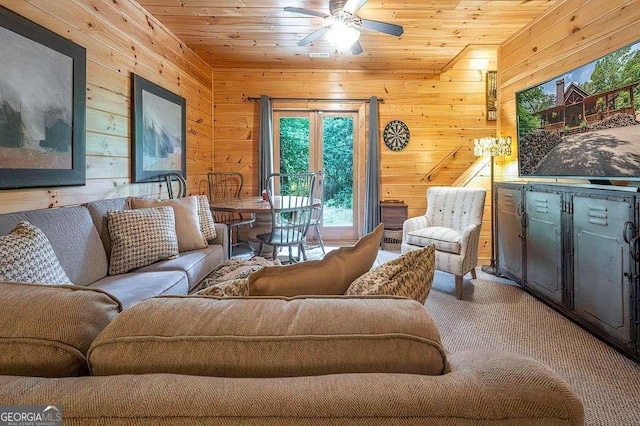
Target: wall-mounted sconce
column 492, row 95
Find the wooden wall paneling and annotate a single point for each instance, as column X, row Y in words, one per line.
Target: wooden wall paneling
column 120, row 38
column 442, row 112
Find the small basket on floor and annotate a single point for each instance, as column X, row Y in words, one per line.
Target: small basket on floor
column 391, row 239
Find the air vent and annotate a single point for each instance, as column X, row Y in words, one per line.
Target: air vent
column 319, row 55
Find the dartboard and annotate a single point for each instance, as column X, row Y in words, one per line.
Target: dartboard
column 396, row 135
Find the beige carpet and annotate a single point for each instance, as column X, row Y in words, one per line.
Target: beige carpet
column 495, row 315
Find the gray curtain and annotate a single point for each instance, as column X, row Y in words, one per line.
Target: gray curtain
column 265, row 151
column 372, row 190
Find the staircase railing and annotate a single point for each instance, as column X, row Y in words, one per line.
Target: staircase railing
column 474, row 170
column 441, row 164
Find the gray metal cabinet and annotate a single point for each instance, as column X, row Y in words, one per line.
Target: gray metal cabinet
column 543, row 248
column 581, row 253
column 601, row 271
column 510, row 233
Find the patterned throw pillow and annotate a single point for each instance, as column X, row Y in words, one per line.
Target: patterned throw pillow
column 141, row 237
column 410, row 275
column 206, row 218
column 26, row 256
column 237, row 287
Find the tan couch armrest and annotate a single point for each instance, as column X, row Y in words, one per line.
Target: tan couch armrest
column 513, row 386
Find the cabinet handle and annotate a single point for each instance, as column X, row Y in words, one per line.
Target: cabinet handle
column 629, row 231
column 523, row 220
column 635, row 248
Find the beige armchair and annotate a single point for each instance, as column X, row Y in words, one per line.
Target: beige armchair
column 452, row 224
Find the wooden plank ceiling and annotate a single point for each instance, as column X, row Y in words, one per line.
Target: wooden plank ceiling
column 261, row 34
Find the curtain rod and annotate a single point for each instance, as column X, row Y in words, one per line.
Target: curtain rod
column 252, row 98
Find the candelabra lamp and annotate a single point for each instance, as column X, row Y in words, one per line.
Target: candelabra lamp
column 493, row 147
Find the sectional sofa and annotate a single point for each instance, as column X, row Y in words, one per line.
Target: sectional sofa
column 81, row 242
column 324, row 360
column 181, row 359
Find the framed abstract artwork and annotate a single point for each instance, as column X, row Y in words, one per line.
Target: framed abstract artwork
column 42, row 106
column 159, row 131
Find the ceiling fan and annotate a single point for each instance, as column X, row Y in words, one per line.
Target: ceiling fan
column 343, row 25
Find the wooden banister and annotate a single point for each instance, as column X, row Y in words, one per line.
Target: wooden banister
column 474, row 170
column 441, row 164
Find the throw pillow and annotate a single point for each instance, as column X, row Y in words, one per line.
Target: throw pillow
column 141, row 237
column 410, row 275
column 235, row 287
column 232, row 269
column 206, row 218
column 187, row 220
column 329, row 276
column 26, row 256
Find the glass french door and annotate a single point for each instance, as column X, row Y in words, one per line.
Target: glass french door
column 324, row 141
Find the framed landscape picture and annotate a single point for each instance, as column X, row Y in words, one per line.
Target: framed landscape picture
column 159, row 131
column 42, row 106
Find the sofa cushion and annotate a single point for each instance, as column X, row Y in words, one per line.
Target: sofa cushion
column 26, row 256
column 141, row 237
column 207, row 225
column 73, row 237
column 444, row 239
column 98, row 210
column 331, row 275
column 46, row 330
column 187, row 224
column 410, row 275
column 270, row 337
column 136, row 286
column 197, row 264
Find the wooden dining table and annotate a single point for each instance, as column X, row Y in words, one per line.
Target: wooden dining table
column 262, row 209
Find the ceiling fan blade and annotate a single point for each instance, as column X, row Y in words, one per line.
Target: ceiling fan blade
column 353, row 6
column 306, row 12
column 356, row 48
column 382, row 27
column 314, row 35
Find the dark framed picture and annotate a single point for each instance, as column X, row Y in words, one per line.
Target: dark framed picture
column 42, row 106
column 159, row 131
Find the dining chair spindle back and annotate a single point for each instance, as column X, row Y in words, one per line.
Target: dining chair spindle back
column 291, row 200
column 225, row 186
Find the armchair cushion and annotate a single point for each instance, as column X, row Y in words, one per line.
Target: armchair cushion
column 444, row 239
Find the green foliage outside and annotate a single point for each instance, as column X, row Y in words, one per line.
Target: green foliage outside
column 338, row 161
column 338, row 155
column 532, row 100
column 294, row 145
column 617, row 69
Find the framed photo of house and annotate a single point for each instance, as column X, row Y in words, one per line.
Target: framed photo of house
column 159, row 131
column 42, row 106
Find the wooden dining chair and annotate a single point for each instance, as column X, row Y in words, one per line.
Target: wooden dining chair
column 225, row 186
column 172, row 177
column 316, row 212
column 291, row 202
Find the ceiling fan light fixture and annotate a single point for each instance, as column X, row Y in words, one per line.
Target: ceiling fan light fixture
column 342, row 35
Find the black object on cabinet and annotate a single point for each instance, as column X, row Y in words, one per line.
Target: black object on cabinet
column 580, row 253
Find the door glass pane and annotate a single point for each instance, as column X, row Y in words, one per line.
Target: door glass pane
column 337, row 144
column 294, row 146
